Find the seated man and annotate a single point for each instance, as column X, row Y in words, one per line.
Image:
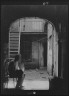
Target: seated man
column 15, row 71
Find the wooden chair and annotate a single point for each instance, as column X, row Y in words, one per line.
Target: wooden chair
column 8, row 76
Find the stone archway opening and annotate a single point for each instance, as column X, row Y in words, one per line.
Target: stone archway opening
column 33, row 49
column 36, row 40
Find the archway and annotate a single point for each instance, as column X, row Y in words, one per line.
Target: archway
column 33, row 33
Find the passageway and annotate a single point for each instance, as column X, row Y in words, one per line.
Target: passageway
column 33, row 48
column 34, row 80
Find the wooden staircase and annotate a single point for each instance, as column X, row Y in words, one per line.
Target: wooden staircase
column 14, row 44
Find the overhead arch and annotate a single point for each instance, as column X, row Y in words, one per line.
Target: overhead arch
column 36, row 24
column 16, row 23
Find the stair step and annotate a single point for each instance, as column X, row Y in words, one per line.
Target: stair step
column 12, row 36
column 13, row 54
column 13, row 48
column 13, row 51
column 16, row 36
column 14, row 33
column 14, row 45
column 14, row 39
column 14, row 42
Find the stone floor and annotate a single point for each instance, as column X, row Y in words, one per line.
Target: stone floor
column 34, row 80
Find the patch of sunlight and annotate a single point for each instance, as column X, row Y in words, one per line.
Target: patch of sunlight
column 36, row 85
column 10, row 84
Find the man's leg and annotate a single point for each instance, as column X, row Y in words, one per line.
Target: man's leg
column 20, row 78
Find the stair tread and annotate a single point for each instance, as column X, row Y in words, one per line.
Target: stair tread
column 14, row 38
column 12, row 54
column 13, row 48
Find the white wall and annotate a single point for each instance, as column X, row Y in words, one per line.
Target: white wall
column 52, row 50
column 55, row 53
column 28, row 25
column 49, row 49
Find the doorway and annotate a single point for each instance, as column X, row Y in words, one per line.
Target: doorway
column 25, row 47
column 33, row 48
column 38, row 49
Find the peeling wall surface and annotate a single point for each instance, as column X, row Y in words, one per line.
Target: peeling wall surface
column 55, row 52
column 49, row 64
column 32, row 25
column 49, row 49
column 52, row 51
column 28, row 25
